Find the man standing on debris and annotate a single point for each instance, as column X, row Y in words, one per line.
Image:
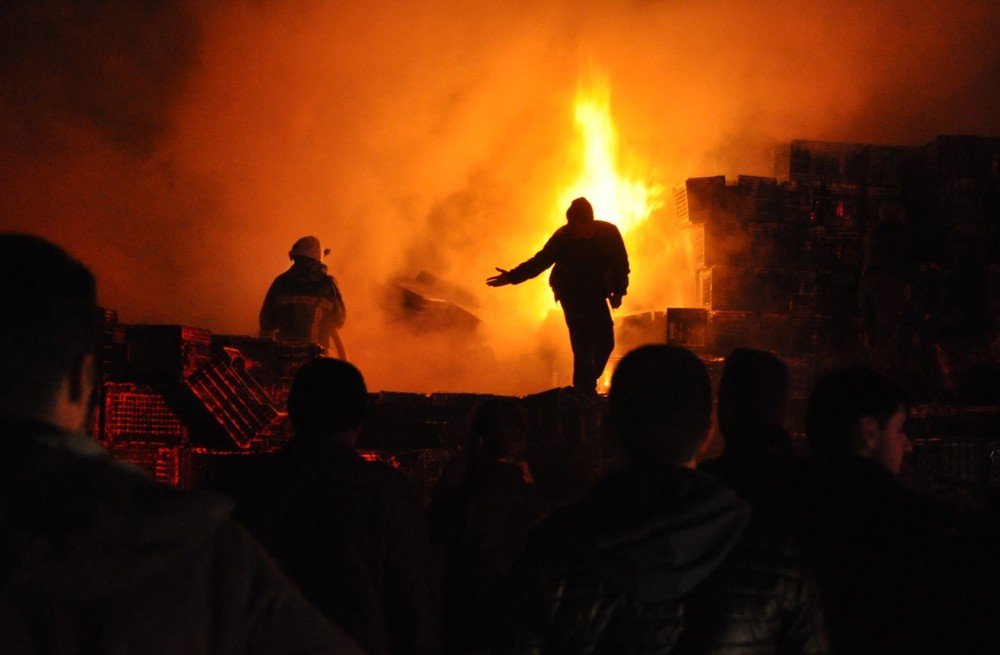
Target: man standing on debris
column 304, row 304
column 591, row 270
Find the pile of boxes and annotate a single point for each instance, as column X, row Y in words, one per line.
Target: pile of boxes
column 778, row 259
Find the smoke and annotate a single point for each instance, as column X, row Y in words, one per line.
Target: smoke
column 180, row 148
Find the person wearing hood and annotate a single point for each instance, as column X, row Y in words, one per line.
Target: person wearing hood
column 303, row 304
column 97, row 557
column 660, row 558
column 759, row 461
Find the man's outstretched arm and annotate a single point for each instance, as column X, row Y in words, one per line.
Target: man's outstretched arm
column 543, row 259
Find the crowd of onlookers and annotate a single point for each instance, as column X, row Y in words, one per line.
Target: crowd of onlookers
column 321, row 551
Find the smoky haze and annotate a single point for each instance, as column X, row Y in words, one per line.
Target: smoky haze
column 180, row 148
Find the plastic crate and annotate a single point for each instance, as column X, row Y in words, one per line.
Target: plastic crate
column 732, row 329
column 233, row 397
column 687, row 326
column 138, row 412
column 165, row 465
column 640, row 329
column 723, row 288
column 702, row 199
column 164, row 354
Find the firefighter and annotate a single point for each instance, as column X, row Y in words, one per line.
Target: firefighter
column 304, row 304
column 591, row 270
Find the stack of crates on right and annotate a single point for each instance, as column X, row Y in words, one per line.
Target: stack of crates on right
column 714, row 217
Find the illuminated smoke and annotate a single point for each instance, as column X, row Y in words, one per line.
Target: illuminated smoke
column 180, row 148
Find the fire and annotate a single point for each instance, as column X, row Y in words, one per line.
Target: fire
column 616, row 198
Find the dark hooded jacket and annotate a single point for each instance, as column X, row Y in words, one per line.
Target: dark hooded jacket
column 585, row 268
column 303, row 304
column 665, row 561
column 98, row 558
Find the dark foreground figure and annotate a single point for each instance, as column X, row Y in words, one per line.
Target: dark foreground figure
column 893, row 576
column 590, row 270
column 661, row 558
column 303, row 304
column 759, row 461
column 96, row 557
column 481, row 522
column 351, row 533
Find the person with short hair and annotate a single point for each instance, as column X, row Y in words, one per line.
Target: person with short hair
column 350, row 532
column 661, row 558
column 883, row 554
column 97, row 557
column 759, row 460
column 590, row 270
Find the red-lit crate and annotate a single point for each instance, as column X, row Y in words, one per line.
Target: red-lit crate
column 137, row 412
column 166, row 465
column 236, row 401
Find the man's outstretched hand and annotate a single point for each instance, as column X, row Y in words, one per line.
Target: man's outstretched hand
column 500, row 280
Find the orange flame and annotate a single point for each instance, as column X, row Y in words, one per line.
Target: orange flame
column 616, row 198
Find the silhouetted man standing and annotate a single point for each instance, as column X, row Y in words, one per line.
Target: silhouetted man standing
column 591, row 270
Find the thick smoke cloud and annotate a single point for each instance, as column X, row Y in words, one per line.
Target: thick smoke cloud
column 179, row 148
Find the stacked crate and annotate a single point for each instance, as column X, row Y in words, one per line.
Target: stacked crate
column 687, row 326
column 640, row 329
column 714, row 217
column 237, row 402
column 131, row 411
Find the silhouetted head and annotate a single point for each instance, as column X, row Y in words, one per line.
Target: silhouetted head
column 49, row 327
column 857, row 412
column 308, row 247
column 661, row 404
column 580, row 211
column 499, row 429
column 753, row 393
column 328, row 397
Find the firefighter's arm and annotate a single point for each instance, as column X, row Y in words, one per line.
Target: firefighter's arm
column 268, row 321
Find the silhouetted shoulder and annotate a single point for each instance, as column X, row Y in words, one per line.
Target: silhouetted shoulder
column 606, row 227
